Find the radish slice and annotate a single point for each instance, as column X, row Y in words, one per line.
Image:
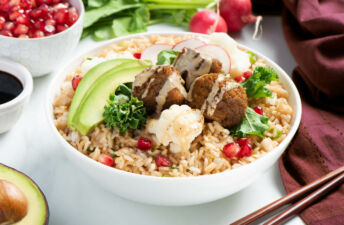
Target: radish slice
column 217, row 52
column 188, row 43
column 151, row 52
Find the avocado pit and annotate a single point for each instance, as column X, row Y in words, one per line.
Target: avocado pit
column 13, row 203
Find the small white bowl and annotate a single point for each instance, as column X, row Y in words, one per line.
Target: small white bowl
column 171, row 191
column 11, row 111
column 43, row 55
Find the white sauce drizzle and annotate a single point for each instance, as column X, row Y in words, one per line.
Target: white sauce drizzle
column 147, row 88
column 142, row 77
column 210, row 104
column 173, row 81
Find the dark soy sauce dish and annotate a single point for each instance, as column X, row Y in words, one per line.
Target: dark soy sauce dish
column 10, row 87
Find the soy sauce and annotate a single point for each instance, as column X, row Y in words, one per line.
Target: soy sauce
column 10, row 87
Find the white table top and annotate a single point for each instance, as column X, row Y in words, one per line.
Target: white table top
column 74, row 199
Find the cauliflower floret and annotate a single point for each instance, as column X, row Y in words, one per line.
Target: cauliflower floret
column 178, row 126
column 240, row 60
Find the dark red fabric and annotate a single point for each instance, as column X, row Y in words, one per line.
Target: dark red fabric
column 314, row 31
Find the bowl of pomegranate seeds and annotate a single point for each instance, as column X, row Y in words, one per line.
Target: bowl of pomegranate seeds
column 39, row 33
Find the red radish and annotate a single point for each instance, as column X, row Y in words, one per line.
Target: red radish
column 231, row 150
column 144, row 143
column 106, row 160
column 151, row 52
column 162, row 161
column 237, row 13
column 219, row 53
column 204, row 22
column 188, row 43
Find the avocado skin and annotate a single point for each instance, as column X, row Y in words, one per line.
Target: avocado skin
column 47, row 214
column 86, row 82
column 84, row 114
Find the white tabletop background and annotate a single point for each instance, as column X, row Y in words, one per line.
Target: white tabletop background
column 75, row 199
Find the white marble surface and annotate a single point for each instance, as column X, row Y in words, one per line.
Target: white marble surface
column 74, row 199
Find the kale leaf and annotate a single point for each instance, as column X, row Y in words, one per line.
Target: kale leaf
column 124, row 111
column 255, row 85
column 252, row 123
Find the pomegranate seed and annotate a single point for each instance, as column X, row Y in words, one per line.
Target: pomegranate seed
column 56, row 1
column 38, row 34
column 36, row 13
column 50, row 22
column 13, row 3
column 247, row 74
column 39, row 25
column 246, row 150
column 106, row 160
column 3, row 2
column 258, row 110
column 61, row 15
column 45, row 9
column 23, row 20
column 7, row 33
column 9, row 26
column 75, row 82
column 2, row 22
column 21, row 29
column 72, row 16
column 5, row 7
column 137, row 55
column 239, row 79
column 244, row 141
column 60, row 6
column 27, row 4
column 144, row 143
column 49, row 29
column 61, row 27
column 231, row 150
column 162, row 161
column 14, row 15
column 44, row 2
column 23, row 36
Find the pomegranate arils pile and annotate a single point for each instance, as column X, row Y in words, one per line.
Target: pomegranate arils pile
column 35, row 18
column 241, row 148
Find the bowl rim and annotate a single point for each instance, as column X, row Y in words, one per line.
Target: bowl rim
column 27, row 83
column 93, row 163
column 79, row 20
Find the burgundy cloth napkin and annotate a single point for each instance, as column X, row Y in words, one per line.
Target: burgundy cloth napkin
column 314, row 31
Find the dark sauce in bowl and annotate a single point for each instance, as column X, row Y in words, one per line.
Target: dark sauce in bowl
column 10, row 87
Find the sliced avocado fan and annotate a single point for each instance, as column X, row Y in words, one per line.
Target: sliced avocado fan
column 88, row 80
column 89, row 113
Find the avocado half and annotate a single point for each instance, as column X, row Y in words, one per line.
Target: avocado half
column 31, row 206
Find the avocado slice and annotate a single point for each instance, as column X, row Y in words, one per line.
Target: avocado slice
column 88, row 80
column 29, row 205
column 90, row 111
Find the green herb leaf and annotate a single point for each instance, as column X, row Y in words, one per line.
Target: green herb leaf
column 278, row 135
column 255, row 85
column 253, row 58
column 167, row 57
column 252, row 123
column 124, row 111
column 174, row 167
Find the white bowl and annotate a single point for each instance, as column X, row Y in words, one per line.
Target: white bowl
column 11, row 111
column 42, row 55
column 164, row 190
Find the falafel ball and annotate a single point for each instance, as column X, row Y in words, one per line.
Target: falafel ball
column 220, row 99
column 192, row 64
column 159, row 87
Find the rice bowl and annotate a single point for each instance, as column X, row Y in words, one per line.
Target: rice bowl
column 204, row 162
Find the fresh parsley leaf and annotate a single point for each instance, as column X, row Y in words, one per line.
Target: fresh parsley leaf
column 252, row 123
column 174, row 167
column 124, row 111
column 255, row 85
column 167, row 57
column 253, row 58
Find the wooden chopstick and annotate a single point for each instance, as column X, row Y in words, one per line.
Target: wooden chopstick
column 302, row 204
column 291, row 197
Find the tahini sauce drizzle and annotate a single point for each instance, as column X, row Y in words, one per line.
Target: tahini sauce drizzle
column 173, row 81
